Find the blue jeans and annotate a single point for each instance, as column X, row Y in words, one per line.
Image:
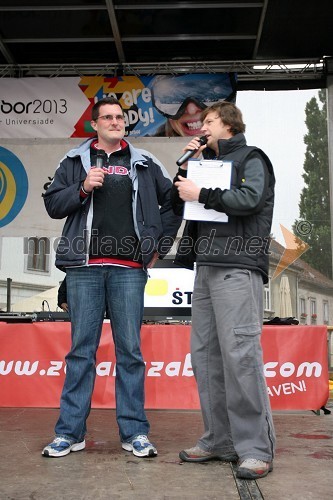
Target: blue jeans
column 89, row 291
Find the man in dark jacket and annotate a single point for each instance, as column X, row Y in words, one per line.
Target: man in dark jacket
column 119, row 220
column 227, row 308
column 62, row 296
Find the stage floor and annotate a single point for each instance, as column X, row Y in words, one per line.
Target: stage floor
column 302, row 467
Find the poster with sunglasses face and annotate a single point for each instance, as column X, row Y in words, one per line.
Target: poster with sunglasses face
column 162, row 105
column 181, row 99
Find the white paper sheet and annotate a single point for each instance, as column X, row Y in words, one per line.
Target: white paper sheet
column 208, row 174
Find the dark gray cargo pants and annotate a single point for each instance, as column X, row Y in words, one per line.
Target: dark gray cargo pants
column 227, row 314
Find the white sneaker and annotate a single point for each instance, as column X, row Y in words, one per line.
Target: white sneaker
column 61, row 447
column 251, row 468
column 140, row 446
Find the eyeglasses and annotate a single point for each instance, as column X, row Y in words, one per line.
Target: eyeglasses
column 170, row 95
column 110, row 118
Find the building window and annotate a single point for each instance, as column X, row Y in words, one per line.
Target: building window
column 325, row 312
column 313, row 311
column 38, row 254
column 302, row 310
column 313, row 307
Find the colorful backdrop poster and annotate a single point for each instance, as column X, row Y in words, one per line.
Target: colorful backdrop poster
column 160, row 105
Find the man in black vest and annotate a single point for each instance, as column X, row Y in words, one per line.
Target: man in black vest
column 227, row 307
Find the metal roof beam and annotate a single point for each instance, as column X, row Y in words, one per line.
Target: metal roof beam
column 260, row 28
column 136, row 6
column 246, row 70
column 115, row 30
column 55, row 7
column 6, row 52
column 192, row 5
column 153, row 38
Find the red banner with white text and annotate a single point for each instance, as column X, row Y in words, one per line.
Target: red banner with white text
column 32, row 366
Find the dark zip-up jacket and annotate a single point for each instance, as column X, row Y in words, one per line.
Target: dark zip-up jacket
column 155, row 223
column 243, row 241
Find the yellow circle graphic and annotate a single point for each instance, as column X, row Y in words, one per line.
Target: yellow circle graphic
column 7, row 190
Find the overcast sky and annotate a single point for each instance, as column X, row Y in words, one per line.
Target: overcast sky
column 275, row 122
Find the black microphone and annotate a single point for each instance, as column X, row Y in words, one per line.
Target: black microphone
column 100, row 158
column 191, row 152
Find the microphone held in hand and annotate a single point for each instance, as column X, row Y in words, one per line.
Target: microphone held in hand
column 188, row 154
column 100, row 158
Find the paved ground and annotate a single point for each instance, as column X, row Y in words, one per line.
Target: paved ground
column 302, row 468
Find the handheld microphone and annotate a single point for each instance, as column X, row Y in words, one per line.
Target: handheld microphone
column 191, row 152
column 100, row 158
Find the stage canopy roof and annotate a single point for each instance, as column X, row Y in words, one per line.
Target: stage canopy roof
column 271, row 44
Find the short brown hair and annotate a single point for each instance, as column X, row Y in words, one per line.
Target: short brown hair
column 229, row 114
column 102, row 102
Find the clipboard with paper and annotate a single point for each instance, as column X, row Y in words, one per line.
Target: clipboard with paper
column 207, row 174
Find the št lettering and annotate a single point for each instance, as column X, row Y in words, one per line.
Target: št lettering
column 180, row 297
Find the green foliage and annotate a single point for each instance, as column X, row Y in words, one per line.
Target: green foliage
column 314, row 205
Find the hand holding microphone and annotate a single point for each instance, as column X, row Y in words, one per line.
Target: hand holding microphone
column 95, row 177
column 194, row 149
